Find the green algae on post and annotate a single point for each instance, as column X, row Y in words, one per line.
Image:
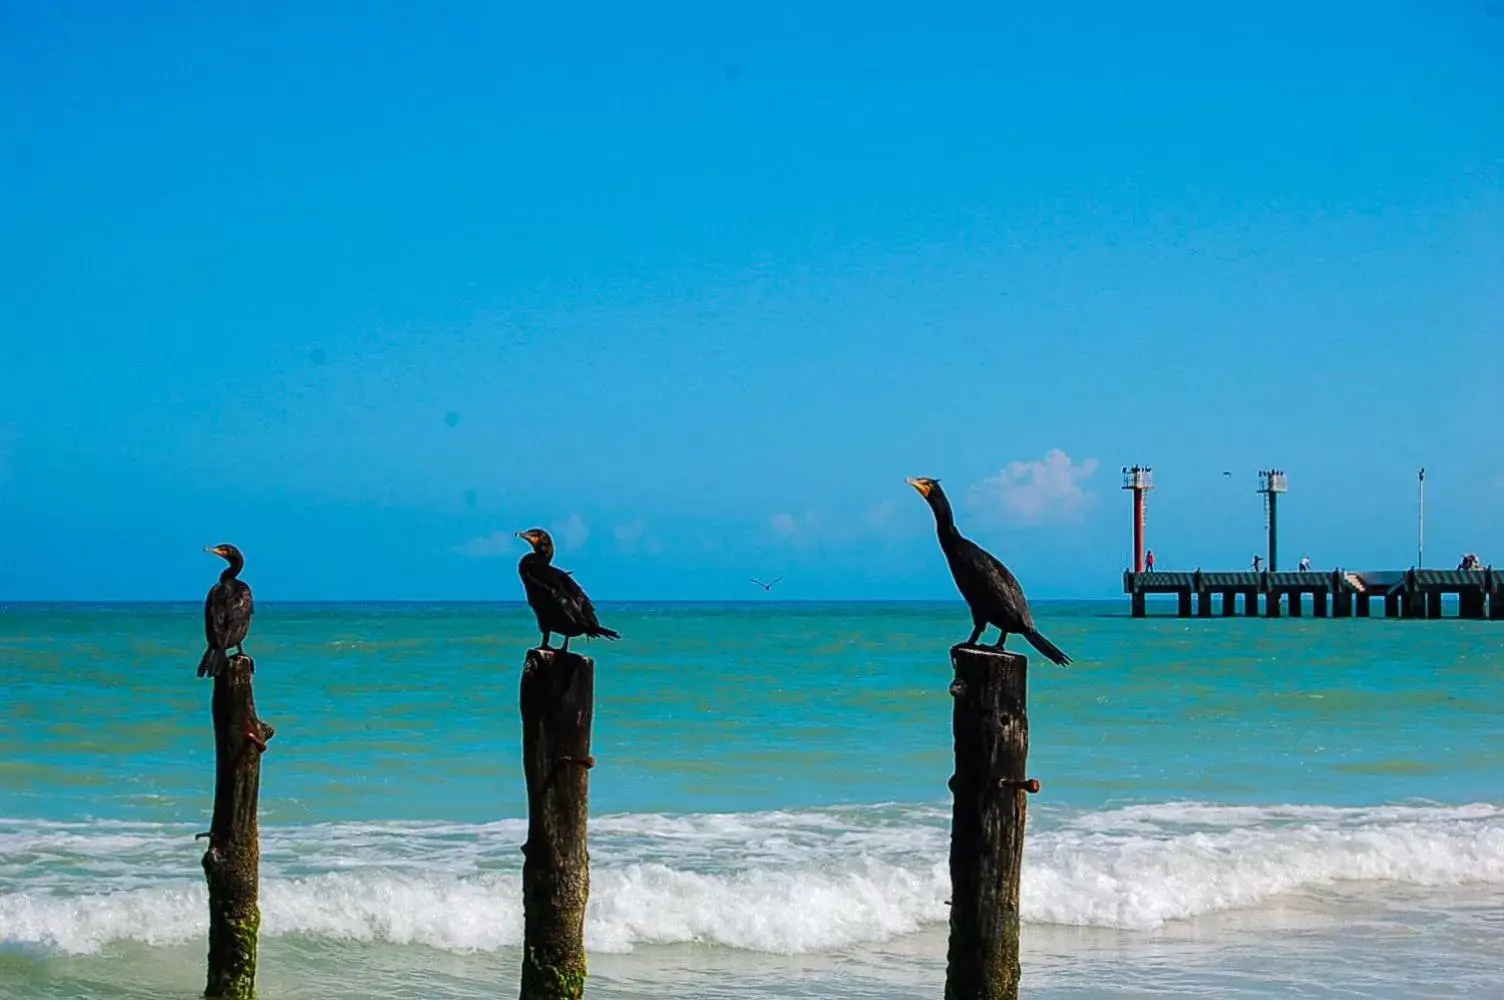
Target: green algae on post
column 558, row 707
column 232, row 864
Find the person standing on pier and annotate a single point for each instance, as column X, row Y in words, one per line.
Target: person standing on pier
column 1258, row 563
column 1149, row 561
column 1305, row 564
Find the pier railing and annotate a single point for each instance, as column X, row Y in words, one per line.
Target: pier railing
column 1338, row 593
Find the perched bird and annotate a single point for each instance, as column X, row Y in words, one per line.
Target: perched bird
column 766, row 586
column 990, row 589
column 559, row 603
column 227, row 612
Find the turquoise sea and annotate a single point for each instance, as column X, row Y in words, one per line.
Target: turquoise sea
column 1231, row 808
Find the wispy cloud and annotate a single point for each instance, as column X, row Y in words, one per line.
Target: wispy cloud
column 497, row 543
column 634, row 536
column 799, row 529
column 1042, row 491
column 572, row 533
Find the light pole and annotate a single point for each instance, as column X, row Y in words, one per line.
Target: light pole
column 1420, row 552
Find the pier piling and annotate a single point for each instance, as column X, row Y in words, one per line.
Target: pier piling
column 991, row 726
column 232, row 864
column 558, row 708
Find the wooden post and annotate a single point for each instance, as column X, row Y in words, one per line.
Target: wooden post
column 558, row 707
column 232, row 864
column 991, row 725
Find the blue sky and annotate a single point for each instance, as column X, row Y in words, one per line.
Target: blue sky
column 698, row 285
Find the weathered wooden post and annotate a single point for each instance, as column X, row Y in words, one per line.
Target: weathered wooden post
column 558, row 707
column 991, row 725
column 232, row 864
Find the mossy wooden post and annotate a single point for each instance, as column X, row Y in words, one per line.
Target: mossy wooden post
column 232, row 864
column 558, row 706
column 991, row 726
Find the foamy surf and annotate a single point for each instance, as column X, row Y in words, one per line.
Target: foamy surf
column 782, row 882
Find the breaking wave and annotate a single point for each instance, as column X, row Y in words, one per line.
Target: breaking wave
column 784, row 882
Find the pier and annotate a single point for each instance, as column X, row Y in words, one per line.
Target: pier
column 1339, row 593
column 1412, row 593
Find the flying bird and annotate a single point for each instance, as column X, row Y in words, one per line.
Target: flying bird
column 1227, row 473
column 227, row 612
column 765, row 586
column 990, row 590
column 558, row 602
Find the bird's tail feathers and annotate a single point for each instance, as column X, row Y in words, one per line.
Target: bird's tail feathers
column 213, row 660
column 605, row 633
column 1051, row 651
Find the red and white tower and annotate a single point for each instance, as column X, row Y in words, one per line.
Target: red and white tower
column 1139, row 479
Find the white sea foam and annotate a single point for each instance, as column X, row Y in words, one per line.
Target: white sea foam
column 784, row 882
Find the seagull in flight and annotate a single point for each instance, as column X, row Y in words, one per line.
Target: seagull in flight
column 765, row 586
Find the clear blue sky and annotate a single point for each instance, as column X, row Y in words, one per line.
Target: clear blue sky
column 700, row 284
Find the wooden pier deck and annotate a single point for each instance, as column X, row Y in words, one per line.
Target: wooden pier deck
column 1412, row 593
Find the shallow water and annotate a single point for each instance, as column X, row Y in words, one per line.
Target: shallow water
column 1230, row 807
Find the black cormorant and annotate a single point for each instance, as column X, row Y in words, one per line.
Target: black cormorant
column 227, row 612
column 559, row 603
column 990, row 589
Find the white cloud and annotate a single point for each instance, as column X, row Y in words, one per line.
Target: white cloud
column 1037, row 492
column 798, row 529
column 634, row 537
column 497, row 543
column 569, row 534
column 572, row 533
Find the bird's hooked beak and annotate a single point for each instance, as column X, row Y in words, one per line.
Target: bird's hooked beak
column 922, row 485
column 214, row 549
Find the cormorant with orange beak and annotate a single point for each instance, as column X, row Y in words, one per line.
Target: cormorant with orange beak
column 227, row 612
column 990, row 589
column 559, row 603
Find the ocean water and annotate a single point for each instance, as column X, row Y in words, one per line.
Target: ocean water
column 1231, row 808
